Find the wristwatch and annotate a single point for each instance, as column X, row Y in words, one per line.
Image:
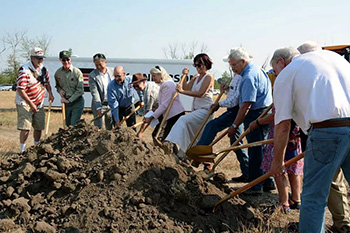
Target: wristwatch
column 234, row 126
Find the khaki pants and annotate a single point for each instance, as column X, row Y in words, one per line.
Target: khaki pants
column 338, row 202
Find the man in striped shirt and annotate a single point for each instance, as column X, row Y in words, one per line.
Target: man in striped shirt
column 32, row 80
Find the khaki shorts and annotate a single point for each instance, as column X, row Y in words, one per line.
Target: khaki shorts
column 26, row 118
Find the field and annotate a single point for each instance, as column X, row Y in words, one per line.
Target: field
column 271, row 222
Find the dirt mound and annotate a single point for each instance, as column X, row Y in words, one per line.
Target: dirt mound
column 88, row 180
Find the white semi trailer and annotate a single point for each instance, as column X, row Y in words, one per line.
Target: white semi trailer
column 86, row 65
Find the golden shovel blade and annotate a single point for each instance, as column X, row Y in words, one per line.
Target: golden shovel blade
column 201, row 153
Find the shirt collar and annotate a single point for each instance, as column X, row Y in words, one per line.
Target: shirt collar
column 247, row 67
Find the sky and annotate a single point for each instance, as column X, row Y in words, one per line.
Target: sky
column 142, row 29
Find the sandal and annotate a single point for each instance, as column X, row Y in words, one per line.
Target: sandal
column 285, row 208
column 294, row 205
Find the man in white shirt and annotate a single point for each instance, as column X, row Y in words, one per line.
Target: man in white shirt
column 313, row 89
column 98, row 82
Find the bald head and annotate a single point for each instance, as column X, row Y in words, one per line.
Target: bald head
column 309, row 46
column 119, row 74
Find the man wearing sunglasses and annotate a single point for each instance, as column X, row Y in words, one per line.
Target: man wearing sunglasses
column 70, row 86
column 98, row 82
column 32, row 80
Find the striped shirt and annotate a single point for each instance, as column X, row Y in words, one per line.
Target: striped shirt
column 27, row 81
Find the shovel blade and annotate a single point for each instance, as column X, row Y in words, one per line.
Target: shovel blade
column 201, row 153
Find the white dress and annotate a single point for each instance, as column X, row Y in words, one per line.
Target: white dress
column 187, row 126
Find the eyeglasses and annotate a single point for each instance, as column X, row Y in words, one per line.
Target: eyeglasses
column 65, row 59
column 197, row 65
column 235, row 64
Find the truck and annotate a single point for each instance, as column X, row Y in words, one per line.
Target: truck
column 131, row 65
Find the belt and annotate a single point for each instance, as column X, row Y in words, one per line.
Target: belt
column 331, row 123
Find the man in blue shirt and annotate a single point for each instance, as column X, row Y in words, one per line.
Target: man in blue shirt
column 255, row 96
column 121, row 97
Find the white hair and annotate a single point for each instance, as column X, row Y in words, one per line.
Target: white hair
column 309, row 46
column 162, row 71
column 286, row 53
column 239, row 54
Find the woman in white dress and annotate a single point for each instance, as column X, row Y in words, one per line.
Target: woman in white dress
column 201, row 88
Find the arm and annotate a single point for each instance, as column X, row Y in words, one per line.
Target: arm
column 58, row 86
column 25, row 97
column 48, row 88
column 281, row 136
column 242, row 112
column 207, row 83
column 113, row 102
column 269, row 119
column 168, row 92
column 79, row 88
column 94, row 91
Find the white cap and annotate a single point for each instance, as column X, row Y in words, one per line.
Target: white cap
column 37, row 52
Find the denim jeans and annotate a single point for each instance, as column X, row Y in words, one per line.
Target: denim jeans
column 327, row 149
column 256, row 154
column 218, row 124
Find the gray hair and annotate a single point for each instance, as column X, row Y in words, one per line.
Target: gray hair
column 239, row 54
column 286, row 53
column 309, row 46
column 162, row 71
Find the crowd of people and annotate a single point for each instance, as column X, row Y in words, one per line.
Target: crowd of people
column 310, row 96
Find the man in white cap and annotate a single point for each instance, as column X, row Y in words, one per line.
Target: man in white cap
column 32, row 80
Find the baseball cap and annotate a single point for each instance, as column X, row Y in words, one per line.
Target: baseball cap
column 138, row 77
column 98, row 56
column 37, row 52
column 64, row 54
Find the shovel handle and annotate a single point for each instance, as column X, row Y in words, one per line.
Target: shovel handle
column 238, row 140
column 170, row 106
column 256, row 181
column 127, row 117
column 48, row 119
column 204, row 122
column 64, row 115
column 258, row 143
column 98, row 117
column 137, row 124
column 219, row 138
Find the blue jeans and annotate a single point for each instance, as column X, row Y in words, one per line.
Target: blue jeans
column 218, row 124
column 256, row 154
column 327, row 149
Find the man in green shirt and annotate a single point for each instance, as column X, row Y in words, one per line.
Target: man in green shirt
column 70, row 86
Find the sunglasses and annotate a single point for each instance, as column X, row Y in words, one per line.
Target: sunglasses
column 65, row 59
column 197, row 65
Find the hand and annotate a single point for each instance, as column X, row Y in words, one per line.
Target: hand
column 34, row 108
column 277, row 168
column 142, row 104
column 117, row 124
column 214, row 108
column 62, row 93
column 148, row 120
column 185, row 71
column 51, row 97
column 64, row 100
column 253, row 125
column 179, row 89
column 99, row 113
column 139, row 135
column 223, row 87
column 231, row 132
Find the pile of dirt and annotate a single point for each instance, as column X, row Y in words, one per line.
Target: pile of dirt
column 87, row 180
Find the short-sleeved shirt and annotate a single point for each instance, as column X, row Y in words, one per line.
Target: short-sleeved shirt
column 255, row 87
column 232, row 99
column 314, row 87
column 71, row 82
column 28, row 81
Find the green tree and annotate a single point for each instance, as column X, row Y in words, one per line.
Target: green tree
column 225, row 78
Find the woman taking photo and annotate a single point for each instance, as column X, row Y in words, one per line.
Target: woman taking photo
column 201, row 88
column 166, row 91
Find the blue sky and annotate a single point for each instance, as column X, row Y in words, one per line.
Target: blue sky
column 141, row 29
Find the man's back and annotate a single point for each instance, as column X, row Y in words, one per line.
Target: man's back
column 314, row 87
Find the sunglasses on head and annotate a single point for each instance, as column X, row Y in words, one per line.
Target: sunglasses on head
column 158, row 68
column 197, row 65
column 99, row 56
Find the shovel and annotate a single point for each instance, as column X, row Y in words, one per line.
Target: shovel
column 203, row 123
column 211, row 173
column 202, row 154
column 98, row 117
column 127, row 117
column 256, row 181
column 64, row 115
column 137, row 125
column 48, row 119
column 168, row 109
